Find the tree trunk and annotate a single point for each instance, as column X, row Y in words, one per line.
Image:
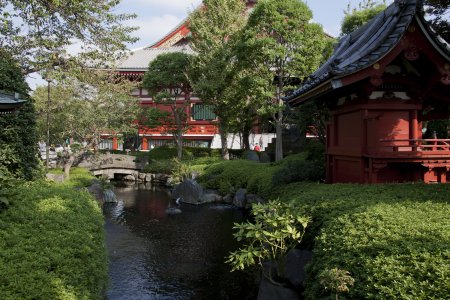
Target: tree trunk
column 279, row 136
column 180, row 147
column 246, row 138
column 68, row 165
column 224, row 141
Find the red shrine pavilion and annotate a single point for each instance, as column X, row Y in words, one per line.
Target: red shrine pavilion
column 202, row 126
column 382, row 84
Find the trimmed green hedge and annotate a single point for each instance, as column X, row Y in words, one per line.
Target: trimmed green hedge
column 189, row 153
column 52, row 243
column 258, row 178
column 393, row 239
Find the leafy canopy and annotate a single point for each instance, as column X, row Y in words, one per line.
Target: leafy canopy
column 84, row 106
column 18, row 138
column 38, row 31
column 356, row 17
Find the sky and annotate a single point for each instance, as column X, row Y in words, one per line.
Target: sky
column 156, row 18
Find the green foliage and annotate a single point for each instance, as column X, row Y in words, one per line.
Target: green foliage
column 229, row 176
column 277, row 228
column 189, row 153
column 280, row 43
column 7, row 183
column 355, row 18
column 214, row 71
column 52, row 244
column 438, row 15
column 299, row 170
column 392, row 238
column 38, row 31
column 160, row 166
column 18, row 137
column 166, row 79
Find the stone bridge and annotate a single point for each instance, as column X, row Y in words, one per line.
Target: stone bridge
column 114, row 165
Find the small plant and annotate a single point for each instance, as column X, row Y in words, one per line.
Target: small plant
column 278, row 228
column 181, row 171
column 105, row 184
column 336, row 280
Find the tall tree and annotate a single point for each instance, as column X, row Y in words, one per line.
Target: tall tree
column 438, row 12
column 18, row 136
column 215, row 30
column 356, row 17
column 37, row 32
column 167, row 81
column 280, row 44
column 85, row 105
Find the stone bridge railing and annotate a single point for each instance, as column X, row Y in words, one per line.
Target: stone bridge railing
column 113, row 161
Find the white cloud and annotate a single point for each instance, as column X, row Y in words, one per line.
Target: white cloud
column 154, row 28
column 176, row 6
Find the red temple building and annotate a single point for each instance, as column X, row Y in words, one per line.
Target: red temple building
column 201, row 120
column 382, row 84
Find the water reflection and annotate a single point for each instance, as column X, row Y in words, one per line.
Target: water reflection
column 158, row 256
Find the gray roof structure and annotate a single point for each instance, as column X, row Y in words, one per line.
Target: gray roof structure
column 138, row 59
column 370, row 43
column 9, row 100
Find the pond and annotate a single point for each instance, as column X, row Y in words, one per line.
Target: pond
column 154, row 255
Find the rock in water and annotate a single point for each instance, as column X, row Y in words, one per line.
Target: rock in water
column 173, row 211
column 239, row 199
column 189, row 191
column 109, row 196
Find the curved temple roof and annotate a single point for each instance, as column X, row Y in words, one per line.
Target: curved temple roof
column 368, row 44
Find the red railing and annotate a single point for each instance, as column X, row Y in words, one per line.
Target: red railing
column 415, row 145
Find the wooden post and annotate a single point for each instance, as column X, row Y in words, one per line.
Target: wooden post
column 115, row 143
column 144, row 143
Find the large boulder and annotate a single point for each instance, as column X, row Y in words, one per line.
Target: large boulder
column 211, row 196
column 252, row 199
column 239, row 199
column 129, row 178
column 109, row 196
column 228, row 198
column 270, row 291
column 189, row 191
column 294, row 270
column 251, row 155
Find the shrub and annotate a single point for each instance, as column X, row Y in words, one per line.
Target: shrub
column 160, row 166
column 295, row 168
column 229, row 176
column 278, row 227
column 392, row 238
column 52, row 244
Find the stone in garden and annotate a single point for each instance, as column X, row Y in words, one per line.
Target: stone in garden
column 252, row 199
column 129, row 178
column 296, row 261
column 189, row 191
column 264, row 157
column 211, row 197
column 251, row 155
column 227, row 198
column 109, row 196
column 239, row 198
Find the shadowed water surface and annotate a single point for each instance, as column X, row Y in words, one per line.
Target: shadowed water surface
column 158, row 256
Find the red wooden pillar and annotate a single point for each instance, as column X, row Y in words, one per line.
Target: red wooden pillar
column 413, row 129
column 115, row 144
column 144, row 143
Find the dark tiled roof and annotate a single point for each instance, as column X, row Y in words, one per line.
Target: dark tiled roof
column 368, row 44
column 9, row 99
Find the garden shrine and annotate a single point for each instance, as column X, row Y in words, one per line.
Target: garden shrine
column 382, row 84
